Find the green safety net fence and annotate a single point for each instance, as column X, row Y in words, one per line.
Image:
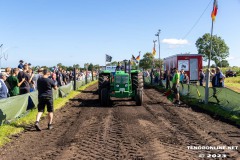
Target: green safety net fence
column 14, row 107
column 65, row 90
column 225, row 98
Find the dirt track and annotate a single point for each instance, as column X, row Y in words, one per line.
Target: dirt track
column 156, row 130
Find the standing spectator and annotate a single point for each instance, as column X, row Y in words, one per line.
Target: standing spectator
column 54, row 78
column 168, row 79
column 64, row 76
column 31, row 82
column 186, row 79
column 14, row 83
column 201, row 77
column 181, row 76
column 59, row 76
column 24, row 87
column 212, row 76
column 3, row 87
column 20, row 66
column 218, row 78
column 175, row 87
column 45, row 85
column 29, row 65
column 8, row 71
column 156, row 76
column 71, row 76
column 37, row 76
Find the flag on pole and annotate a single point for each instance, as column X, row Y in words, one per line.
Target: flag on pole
column 215, row 9
column 108, row 58
column 138, row 57
column 154, row 50
column 134, row 59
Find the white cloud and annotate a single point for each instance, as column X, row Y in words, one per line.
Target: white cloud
column 174, row 41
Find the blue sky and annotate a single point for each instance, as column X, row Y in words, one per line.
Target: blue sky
column 46, row 32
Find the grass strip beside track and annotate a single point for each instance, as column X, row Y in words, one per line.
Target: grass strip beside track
column 211, row 109
column 19, row 125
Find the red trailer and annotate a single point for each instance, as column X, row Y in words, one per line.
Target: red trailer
column 190, row 63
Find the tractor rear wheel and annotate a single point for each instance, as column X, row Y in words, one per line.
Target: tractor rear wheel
column 137, row 86
column 139, row 97
column 104, row 97
column 103, row 82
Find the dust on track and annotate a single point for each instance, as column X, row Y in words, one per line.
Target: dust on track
column 156, row 130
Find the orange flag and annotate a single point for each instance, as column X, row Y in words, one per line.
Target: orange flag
column 215, row 9
column 154, row 50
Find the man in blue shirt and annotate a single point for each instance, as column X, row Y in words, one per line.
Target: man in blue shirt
column 20, row 66
column 219, row 78
column 3, row 87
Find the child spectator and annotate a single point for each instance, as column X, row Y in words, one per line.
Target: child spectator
column 181, row 76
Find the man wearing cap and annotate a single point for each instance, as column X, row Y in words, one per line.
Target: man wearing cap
column 45, row 85
column 20, row 66
column 3, row 87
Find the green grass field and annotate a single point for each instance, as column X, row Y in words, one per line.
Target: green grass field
column 18, row 125
column 233, row 83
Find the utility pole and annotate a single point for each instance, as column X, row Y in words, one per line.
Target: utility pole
column 154, row 41
column 160, row 66
column 1, row 58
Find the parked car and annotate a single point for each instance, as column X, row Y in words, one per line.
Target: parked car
column 231, row 73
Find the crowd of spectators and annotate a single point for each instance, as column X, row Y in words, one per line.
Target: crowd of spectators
column 216, row 77
column 23, row 79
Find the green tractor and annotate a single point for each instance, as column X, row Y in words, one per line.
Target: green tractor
column 120, row 84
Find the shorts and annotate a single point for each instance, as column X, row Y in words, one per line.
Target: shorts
column 42, row 102
column 175, row 88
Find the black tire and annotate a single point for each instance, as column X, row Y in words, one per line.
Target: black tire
column 137, row 81
column 137, row 87
column 105, row 97
column 139, row 97
column 102, row 83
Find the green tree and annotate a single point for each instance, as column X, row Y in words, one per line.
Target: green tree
column 59, row 65
column 77, row 66
column 220, row 50
column 90, row 67
column 114, row 63
column 158, row 63
column 223, row 63
column 96, row 67
column 147, row 61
